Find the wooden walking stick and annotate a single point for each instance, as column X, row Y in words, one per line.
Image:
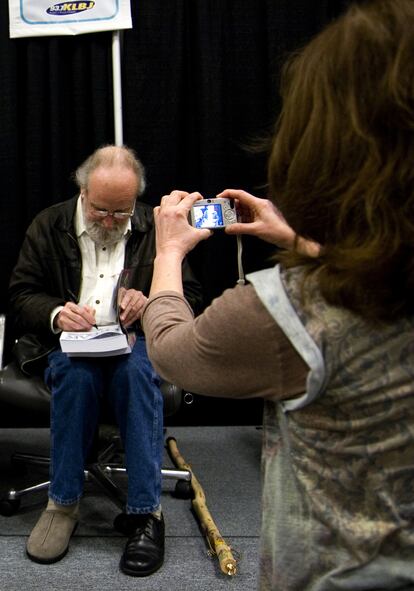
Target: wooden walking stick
column 217, row 544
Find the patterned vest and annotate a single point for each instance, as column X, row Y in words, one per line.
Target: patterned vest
column 338, row 496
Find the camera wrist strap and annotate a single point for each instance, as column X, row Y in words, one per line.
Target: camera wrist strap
column 241, row 280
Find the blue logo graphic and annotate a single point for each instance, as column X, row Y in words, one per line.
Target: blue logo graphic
column 65, row 8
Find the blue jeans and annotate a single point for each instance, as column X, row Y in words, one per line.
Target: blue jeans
column 131, row 389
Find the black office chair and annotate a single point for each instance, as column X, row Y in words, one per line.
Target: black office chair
column 27, row 401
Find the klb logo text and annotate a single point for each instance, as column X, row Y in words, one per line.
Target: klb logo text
column 64, row 8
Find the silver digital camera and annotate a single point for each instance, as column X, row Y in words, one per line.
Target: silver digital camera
column 213, row 213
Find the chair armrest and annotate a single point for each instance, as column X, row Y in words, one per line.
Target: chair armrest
column 172, row 396
column 23, row 392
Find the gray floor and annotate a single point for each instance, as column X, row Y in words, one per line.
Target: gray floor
column 226, row 461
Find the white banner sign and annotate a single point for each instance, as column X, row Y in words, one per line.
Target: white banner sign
column 35, row 18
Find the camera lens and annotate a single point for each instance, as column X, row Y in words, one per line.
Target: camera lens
column 208, row 200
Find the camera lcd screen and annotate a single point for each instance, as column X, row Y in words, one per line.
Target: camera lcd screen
column 208, row 216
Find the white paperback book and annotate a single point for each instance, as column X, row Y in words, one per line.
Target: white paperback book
column 101, row 342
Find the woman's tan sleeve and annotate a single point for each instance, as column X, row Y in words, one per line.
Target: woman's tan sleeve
column 233, row 349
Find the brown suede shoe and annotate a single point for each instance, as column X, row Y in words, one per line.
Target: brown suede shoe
column 49, row 540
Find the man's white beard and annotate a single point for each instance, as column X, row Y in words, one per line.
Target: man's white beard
column 105, row 236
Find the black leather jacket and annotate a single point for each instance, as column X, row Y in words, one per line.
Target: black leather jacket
column 49, row 270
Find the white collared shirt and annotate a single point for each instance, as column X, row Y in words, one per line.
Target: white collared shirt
column 101, row 266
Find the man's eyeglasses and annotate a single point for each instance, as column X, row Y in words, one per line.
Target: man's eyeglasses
column 117, row 215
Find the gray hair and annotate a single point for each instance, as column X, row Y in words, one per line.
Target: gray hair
column 107, row 156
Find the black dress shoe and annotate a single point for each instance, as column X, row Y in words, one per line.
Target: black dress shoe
column 144, row 551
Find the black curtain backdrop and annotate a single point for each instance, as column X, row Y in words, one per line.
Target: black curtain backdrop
column 200, row 85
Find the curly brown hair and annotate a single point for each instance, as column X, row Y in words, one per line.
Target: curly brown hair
column 341, row 167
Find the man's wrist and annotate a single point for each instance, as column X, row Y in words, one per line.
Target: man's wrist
column 53, row 320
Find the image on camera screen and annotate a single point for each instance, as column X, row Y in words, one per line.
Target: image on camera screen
column 208, row 216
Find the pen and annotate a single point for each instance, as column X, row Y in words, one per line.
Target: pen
column 72, row 296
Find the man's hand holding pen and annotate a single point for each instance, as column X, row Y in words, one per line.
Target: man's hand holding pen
column 75, row 318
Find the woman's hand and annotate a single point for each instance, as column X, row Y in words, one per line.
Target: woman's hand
column 175, row 235
column 259, row 217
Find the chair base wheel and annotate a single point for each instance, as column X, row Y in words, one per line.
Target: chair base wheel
column 183, row 490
